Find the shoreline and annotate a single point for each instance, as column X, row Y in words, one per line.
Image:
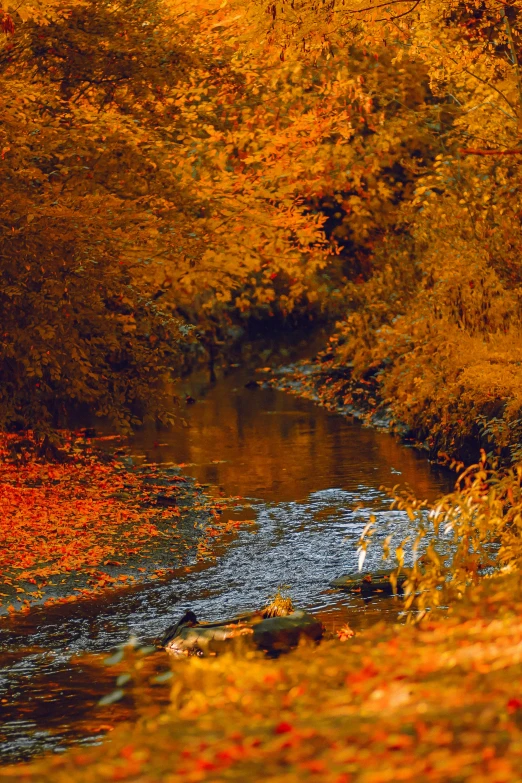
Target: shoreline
column 335, row 388
column 97, row 523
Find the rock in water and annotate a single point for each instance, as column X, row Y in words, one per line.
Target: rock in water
column 256, row 629
column 189, row 636
column 202, row 639
column 368, row 585
column 277, row 634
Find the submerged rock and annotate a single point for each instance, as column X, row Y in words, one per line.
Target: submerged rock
column 369, row 584
column 258, row 630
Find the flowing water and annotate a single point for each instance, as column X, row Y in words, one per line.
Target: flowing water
column 309, row 478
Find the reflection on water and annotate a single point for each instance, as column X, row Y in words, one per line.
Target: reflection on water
column 269, row 445
column 312, row 479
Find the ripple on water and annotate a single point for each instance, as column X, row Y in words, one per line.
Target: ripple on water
column 313, row 479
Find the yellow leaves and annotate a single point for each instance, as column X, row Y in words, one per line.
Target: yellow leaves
column 227, row 21
column 42, row 11
column 421, row 190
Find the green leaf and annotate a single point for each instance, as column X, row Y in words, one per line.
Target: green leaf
column 114, row 659
column 147, row 650
column 161, row 678
column 123, row 679
column 111, row 697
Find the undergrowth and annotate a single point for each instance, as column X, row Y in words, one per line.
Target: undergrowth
column 471, row 533
column 436, row 326
column 360, row 711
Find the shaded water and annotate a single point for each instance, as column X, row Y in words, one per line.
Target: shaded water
column 300, row 470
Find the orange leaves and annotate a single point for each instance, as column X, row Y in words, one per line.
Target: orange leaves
column 356, row 678
column 345, row 633
column 64, row 522
column 71, row 530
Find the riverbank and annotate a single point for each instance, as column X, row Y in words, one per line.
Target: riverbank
column 437, row 701
column 451, row 415
column 468, row 532
column 95, row 520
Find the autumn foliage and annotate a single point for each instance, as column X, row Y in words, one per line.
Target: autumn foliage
column 433, row 317
column 146, row 185
column 171, row 171
column 168, row 165
column 437, row 701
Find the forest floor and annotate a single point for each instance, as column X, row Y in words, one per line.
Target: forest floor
column 96, row 520
column 439, row 701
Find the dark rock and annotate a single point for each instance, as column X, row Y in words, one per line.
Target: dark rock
column 252, row 385
column 368, row 585
column 202, row 639
column 165, row 501
column 278, row 634
column 190, row 637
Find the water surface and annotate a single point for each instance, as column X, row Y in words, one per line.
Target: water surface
column 309, row 479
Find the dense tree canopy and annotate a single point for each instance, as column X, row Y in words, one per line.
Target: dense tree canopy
column 171, row 170
column 166, row 164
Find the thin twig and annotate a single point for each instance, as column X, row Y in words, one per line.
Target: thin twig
column 491, row 152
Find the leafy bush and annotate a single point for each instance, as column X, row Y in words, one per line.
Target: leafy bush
column 472, row 532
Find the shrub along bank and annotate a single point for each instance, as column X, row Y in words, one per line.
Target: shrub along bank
column 450, row 390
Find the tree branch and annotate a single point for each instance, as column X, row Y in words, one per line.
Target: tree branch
column 491, row 152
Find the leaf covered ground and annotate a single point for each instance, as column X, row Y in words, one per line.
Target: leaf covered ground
column 94, row 522
column 440, row 701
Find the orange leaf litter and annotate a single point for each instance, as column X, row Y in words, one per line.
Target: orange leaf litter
column 56, row 519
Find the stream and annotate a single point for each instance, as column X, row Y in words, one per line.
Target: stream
column 309, row 479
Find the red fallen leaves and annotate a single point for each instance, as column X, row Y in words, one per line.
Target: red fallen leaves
column 361, row 675
column 283, row 728
column 70, row 520
column 58, row 519
column 62, row 523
